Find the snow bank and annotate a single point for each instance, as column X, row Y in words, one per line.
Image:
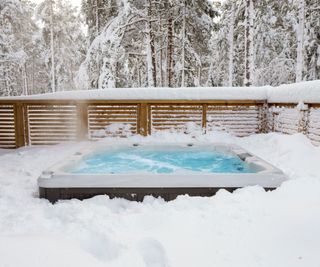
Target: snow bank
column 308, row 92
column 198, row 93
column 249, row 227
column 291, row 93
column 43, row 250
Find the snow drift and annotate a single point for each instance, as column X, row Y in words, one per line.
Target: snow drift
column 249, row 227
column 289, row 93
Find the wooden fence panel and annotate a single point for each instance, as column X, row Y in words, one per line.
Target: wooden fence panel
column 44, row 122
column 240, row 120
column 313, row 131
column 51, row 124
column 175, row 117
column 284, row 119
column 112, row 119
column 7, row 126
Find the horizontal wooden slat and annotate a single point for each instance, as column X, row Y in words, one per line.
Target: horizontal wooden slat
column 7, row 127
column 52, row 123
column 120, row 117
column 60, row 138
column 285, row 119
column 175, row 117
column 314, row 125
column 238, row 120
column 57, row 120
column 110, row 117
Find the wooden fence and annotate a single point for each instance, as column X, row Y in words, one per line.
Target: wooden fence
column 43, row 122
column 292, row 118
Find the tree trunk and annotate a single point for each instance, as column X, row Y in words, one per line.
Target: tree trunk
column 231, row 44
column 249, row 56
column 97, row 18
column 139, row 74
column 183, row 44
column 149, row 62
column 300, row 40
column 161, row 67
column 53, row 83
column 25, row 80
column 32, row 76
column 151, row 56
column 170, row 49
column 161, row 53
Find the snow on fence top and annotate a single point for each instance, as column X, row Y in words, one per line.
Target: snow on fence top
column 308, row 92
column 189, row 93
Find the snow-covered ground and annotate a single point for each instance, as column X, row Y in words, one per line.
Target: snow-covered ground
column 249, row 227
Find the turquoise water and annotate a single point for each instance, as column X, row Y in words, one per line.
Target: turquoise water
column 161, row 161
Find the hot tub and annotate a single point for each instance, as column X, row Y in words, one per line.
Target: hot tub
column 133, row 171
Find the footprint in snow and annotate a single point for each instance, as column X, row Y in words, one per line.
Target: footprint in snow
column 153, row 253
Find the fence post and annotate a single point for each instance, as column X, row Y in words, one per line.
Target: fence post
column 26, row 124
column 263, row 117
column 204, row 118
column 19, row 124
column 143, row 120
column 82, row 121
column 303, row 118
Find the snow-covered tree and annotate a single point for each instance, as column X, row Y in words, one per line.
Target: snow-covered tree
column 64, row 42
column 192, row 31
column 149, row 43
column 312, row 40
column 285, row 44
column 228, row 39
column 159, row 43
column 97, row 13
column 274, row 43
column 16, row 42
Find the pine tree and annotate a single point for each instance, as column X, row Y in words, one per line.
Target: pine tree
column 64, row 42
column 97, row 14
column 192, row 35
column 17, row 35
column 227, row 41
column 154, row 46
column 312, row 40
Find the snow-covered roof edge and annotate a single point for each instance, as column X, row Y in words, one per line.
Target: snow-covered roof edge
column 308, row 92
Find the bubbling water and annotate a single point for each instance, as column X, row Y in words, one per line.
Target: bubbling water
column 161, row 161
